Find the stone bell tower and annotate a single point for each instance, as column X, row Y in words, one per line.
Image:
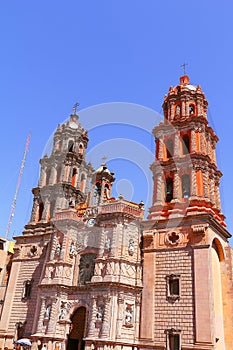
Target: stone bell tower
column 187, row 259
column 64, row 175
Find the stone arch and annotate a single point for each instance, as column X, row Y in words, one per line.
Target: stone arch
column 216, row 244
column 78, row 329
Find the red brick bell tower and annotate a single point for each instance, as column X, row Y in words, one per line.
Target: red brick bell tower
column 186, row 178
column 187, row 268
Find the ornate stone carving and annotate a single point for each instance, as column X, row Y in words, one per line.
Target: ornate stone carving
column 173, row 238
column 200, row 229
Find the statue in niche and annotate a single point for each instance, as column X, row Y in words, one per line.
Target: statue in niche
column 47, row 312
column 107, row 244
column 131, row 247
column 58, row 249
column 99, row 314
column 177, row 110
column 62, row 310
column 72, row 249
column 128, row 315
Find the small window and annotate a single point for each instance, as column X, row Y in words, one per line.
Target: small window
column 191, row 109
column 71, row 146
column 80, row 149
column 173, row 287
column 169, row 189
column 86, row 268
column 185, row 186
column 40, row 212
column 27, row 289
column 186, row 144
column 74, row 177
column 170, row 148
column 1, row 246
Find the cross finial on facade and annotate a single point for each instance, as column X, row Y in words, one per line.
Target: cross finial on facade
column 75, row 108
column 184, row 67
column 104, row 158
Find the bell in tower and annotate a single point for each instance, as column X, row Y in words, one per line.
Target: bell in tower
column 101, row 185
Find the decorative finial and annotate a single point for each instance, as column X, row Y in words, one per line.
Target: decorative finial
column 74, row 109
column 104, row 158
column 184, row 67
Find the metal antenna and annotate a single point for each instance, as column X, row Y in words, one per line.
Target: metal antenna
column 17, row 187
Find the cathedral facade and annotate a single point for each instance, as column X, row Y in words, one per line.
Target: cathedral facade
column 90, row 272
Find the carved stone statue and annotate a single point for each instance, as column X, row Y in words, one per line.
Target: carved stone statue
column 128, row 316
column 62, row 311
column 58, row 249
column 107, row 244
column 47, row 312
column 131, row 247
column 99, row 314
column 72, row 249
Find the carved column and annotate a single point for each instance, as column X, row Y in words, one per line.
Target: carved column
column 102, row 191
column 199, row 107
column 114, row 242
column 137, row 314
column 177, row 145
column 120, row 316
column 46, row 209
column 218, row 202
column 182, row 108
column 212, row 198
column 172, row 110
column 214, row 153
column 208, row 145
column 106, row 320
column 91, row 200
column 176, row 187
column 187, row 108
column 159, row 189
column 193, row 141
column 91, row 331
column 160, row 152
column 194, row 183
column 42, row 177
column 52, row 319
column 41, row 315
column 202, row 142
column 34, row 210
column 205, row 183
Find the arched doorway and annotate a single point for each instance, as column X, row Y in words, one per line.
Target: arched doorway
column 77, row 333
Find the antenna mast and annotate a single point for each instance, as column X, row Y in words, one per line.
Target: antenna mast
column 17, row 187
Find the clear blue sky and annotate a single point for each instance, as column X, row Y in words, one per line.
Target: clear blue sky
column 54, row 53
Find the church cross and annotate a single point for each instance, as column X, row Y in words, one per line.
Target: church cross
column 184, row 67
column 75, row 107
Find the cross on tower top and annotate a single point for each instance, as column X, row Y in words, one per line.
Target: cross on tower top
column 183, row 66
column 74, row 109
